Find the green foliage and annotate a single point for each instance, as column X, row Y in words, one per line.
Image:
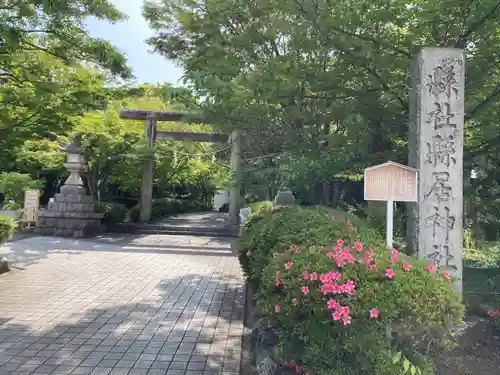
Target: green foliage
column 319, row 296
column 164, row 207
column 7, row 227
column 271, row 231
column 113, row 212
column 57, row 29
column 14, row 206
column 13, row 184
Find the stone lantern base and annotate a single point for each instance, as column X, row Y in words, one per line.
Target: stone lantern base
column 72, row 214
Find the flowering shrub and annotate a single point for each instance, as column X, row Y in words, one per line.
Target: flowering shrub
column 272, row 231
column 352, row 307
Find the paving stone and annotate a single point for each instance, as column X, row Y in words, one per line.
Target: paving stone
column 134, row 305
column 119, row 371
column 83, row 370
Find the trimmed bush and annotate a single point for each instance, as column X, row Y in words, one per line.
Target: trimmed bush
column 7, row 227
column 346, row 305
column 113, row 212
column 270, row 231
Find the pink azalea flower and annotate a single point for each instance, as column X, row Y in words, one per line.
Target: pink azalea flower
column 346, row 310
column 346, row 319
column 288, row 265
column 340, row 242
column 334, row 218
column 432, row 268
column 277, row 308
column 374, row 313
column 249, row 252
column 406, row 267
column 277, row 282
column 305, row 290
column 349, row 287
column 390, row 273
column 447, row 275
column 324, row 278
column 373, row 266
column 306, row 275
column 308, row 373
column 334, row 276
column 332, row 304
column 326, row 288
column 358, row 245
column 336, row 315
column 314, row 276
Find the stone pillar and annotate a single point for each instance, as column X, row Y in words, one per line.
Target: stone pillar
column 435, row 226
column 148, row 173
column 235, row 191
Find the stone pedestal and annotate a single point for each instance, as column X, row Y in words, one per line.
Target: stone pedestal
column 72, row 213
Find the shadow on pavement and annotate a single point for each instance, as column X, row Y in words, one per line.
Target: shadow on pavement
column 189, row 325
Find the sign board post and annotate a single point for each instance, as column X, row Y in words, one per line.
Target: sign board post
column 390, row 182
column 31, row 206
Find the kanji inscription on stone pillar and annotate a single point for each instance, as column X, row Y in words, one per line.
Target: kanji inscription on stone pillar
column 436, row 150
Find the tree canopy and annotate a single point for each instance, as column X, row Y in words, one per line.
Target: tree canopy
column 329, row 78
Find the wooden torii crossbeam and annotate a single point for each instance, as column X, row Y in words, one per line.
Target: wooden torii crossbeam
column 151, row 118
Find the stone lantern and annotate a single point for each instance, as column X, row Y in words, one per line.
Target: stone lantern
column 72, row 213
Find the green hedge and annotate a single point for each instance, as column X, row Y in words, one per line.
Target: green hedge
column 164, row 207
column 113, row 212
column 7, row 227
column 339, row 301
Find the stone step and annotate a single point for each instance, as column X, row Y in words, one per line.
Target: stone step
column 172, row 230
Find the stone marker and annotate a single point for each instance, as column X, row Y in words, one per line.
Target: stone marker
column 436, row 149
column 284, row 197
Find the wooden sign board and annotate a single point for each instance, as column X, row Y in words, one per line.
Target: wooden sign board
column 31, row 205
column 391, row 182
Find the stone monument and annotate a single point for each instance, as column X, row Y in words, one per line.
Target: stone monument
column 284, row 197
column 436, row 149
column 72, row 213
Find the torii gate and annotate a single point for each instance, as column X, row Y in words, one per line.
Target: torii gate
column 151, row 118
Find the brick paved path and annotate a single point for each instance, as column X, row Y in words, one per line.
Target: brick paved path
column 131, row 305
